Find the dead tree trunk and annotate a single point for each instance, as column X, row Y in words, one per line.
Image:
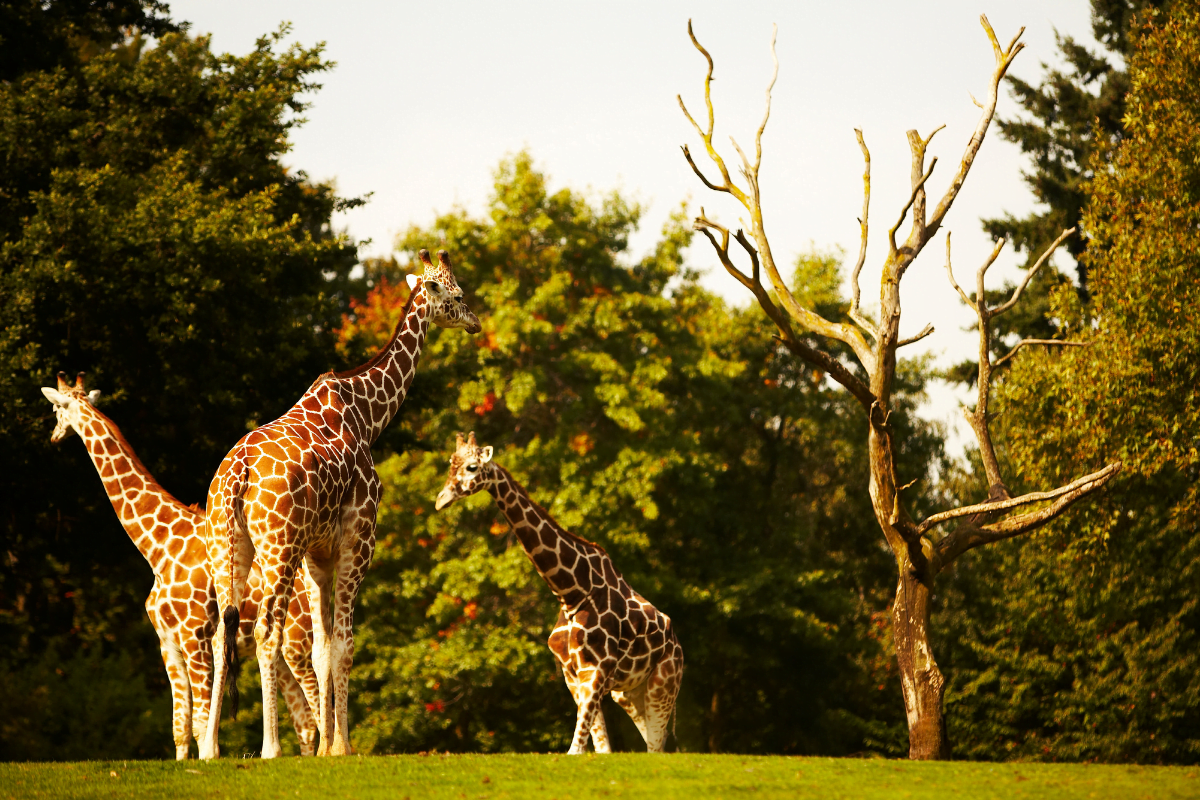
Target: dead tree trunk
column 921, row 549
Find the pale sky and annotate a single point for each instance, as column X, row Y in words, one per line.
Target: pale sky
column 427, row 98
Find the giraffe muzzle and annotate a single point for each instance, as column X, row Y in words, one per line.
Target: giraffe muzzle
column 444, row 498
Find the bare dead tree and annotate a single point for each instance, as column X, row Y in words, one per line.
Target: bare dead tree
column 921, row 549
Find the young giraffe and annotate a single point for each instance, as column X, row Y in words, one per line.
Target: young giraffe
column 304, row 488
column 608, row 638
column 182, row 605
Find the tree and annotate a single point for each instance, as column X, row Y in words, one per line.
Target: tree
column 920, row 550
column 149, row 235
column 1085, row 644
column 39, row 35
column 647, row 416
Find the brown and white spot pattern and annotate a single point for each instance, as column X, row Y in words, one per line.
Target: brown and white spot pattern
column 608, row 638
column 303, row 489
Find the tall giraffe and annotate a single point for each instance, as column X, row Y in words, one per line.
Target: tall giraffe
column 182, row 605
column 608, row 638
column 304, row 488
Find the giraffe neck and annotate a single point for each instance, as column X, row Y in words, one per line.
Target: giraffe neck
column 378, row 387
column 545, row 541
column 134, row 493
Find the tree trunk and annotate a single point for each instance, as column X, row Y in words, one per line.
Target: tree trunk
column 714, row 730
column 920, row 677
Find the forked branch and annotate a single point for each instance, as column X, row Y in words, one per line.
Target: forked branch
column 806, row 318
column 977, row 531
column 972, row 534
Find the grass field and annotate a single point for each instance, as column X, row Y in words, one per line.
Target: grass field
column 661, row 777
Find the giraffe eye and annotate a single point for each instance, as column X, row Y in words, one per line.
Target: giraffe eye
column 472, row 468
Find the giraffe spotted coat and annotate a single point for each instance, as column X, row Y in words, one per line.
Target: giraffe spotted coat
column 608, row 638
column 182, row 605
column 304, row 488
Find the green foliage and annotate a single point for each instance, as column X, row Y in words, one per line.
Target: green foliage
column 149, row 235
column 44, row 34
column 647, row 416
column 1082, row 643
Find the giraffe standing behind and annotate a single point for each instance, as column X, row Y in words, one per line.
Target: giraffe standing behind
column 182, row 605
column 608, row 638
column 304, row 488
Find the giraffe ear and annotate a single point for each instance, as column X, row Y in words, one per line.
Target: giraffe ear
column 485, row 455
column 55, row 396
column 93, row 396
column 433, row 288
column 412, row 279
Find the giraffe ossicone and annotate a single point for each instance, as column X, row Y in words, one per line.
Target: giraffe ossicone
column 608, row 638
column 303, row 488
column 181, row 605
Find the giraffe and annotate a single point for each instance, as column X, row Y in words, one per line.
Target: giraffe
column 608, row 638
column 182, row 605
column 304, row 488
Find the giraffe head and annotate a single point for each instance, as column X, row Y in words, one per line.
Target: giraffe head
column 68, row 400
column 471, row 470
column 446, row 306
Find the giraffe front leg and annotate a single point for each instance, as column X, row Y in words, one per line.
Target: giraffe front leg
column 600, row 730
column 181, row 698
column 352, row 567
column 197, row 652
column 591, row 690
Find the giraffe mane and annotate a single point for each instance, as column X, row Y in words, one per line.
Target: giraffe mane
column 538, row 506
column 376, row 359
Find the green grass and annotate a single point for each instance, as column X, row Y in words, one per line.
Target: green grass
column 660, row 777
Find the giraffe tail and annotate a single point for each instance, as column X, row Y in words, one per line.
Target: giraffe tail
column 233, row 621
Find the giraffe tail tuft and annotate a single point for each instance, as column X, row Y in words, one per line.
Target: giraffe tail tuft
column 233, row 621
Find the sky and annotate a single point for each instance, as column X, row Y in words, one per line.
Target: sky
column 427, row 98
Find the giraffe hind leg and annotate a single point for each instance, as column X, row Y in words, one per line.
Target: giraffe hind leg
column 302, row 718
column 662, row 689
column 634, row 704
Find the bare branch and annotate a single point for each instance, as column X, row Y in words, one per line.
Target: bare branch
column 980, row 304
column 1004, row 58
column 836, row 369
column 950, row 272
column 911, row 199
column 928, row 329
column 688, row 155
column 766, row 114
column 806, row 318
column 1025, row 342
column 855, row 313
column 971, row 534
column 706, row 135
column 1029, row 275
column 703, row 224
column 740, row 236
column 992, row 507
